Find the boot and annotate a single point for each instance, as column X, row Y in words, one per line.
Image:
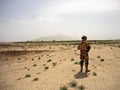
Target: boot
column 87, row 70
column 81, row 69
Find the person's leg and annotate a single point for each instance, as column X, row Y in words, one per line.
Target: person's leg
column 87, row 70
column 81, row 65
column 82, row 58
column 86, row 66
column 87, row 63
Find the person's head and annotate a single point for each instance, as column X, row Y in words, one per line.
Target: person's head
column 84, row 38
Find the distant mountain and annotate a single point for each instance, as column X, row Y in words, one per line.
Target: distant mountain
column 58, row 37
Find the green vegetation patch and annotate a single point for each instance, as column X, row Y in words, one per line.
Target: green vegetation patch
column 98, row 57
column 44, row 64
column 94, row 74
column 75, row 62
column 39, row 58
column 63, row 88
column 35, row 65
column 35, row 79
column 49, row 60
column 46, row 67
column 27, row 75
column 72, row 84
column 54, row 63
column 102, row 60
column 72, row 59
column 81, row 87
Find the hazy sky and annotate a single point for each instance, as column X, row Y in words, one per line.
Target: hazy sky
column 31, row 19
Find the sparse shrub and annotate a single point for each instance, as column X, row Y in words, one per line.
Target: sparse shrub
column 42, row 55
column 33, row 59
column 63, row 88
column 73, row 84
column 81, row 87
column 39, row 58
column 35, row 79
column 72, row 59
column 44, row 64
column 49, row 60
column 25, row 67
column 98, row 57
column 101, row 60
column 60, row 60
column 54, row 63
column 46, row 67
column 19, row 78
column 118, row 46
column 19, row 58
column 76, row 62
column 94, row 74
column 73, row 70
column 27, row 75
column 34, row 65
column 28, row 69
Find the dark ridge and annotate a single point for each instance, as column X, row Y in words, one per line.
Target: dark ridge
column 23, row 52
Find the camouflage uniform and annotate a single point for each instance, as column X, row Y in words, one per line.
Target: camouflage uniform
column 84, row 48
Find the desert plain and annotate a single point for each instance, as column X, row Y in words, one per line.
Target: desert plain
column 53, row 66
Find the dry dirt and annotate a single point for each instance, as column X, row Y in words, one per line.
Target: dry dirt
column 17, row 62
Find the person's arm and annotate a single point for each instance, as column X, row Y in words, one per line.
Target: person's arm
column 88, row 47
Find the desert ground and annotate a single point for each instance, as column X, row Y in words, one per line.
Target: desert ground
column 52, row 67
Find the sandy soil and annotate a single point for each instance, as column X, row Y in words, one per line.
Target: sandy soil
column 23, row 68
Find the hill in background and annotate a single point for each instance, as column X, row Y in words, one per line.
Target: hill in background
column 57, row 37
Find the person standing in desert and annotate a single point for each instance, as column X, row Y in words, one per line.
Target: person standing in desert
column 84, row 48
